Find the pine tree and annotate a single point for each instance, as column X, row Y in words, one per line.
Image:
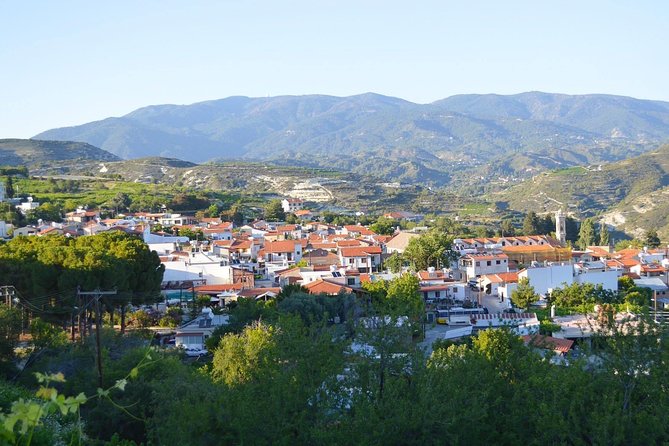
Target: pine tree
column 604, row 237
column 587, row 236
column 651, row 239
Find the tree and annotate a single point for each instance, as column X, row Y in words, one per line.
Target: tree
column 383, row 226
column 587, row 235
column 524, row 294
column 394, row 263
column 10, row 328
column 404, row 299
column 213, row 211
column 604, row 236
column 531, row 224
column 430, row 249
column 651, row 239
column 121, row 202
column 506, row 228
column 9, row 187
column 274, row 211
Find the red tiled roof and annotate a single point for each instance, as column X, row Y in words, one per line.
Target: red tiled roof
column 348, row 243
column 320, row 286
column 360, row 251
column 488, row 257
column 281, row 246
column 548, row 342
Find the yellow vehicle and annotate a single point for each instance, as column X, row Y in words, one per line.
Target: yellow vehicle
column 442, row 317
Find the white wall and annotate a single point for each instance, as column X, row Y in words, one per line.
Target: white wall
column 190, row 269
column 549, row 277
column 607, row 279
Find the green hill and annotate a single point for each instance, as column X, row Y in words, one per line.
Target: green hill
column 632, row 195
column 32, row 152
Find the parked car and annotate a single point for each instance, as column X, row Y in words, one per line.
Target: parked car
column 193, row 352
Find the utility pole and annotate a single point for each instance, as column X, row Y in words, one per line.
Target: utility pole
column 96, row 296
column 8, row 291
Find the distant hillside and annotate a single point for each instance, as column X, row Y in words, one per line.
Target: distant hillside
column 32, row 152
column 484, row 135
column 632, row 195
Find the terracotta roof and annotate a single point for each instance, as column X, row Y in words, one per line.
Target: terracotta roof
column 434, row 288
column 435, row 275
column 320, row 286
column 488, row 256
column 348, row 243
column 281, row 246
column 526, row 248
column 548, row 342
column 286, row 228
column 360, row 251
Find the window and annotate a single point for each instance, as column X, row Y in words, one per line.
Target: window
column 478, row 263
column 488, row 263
column 350, row 281
column 437, row 294
column 497, row 262
column 363, row 261
column 350, row 261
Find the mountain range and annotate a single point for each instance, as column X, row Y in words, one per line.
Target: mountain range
column 451, row 139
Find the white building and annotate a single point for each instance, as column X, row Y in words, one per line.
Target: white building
column 197, row 266
column 547, row 278
column 292, row 204
column 476, row 265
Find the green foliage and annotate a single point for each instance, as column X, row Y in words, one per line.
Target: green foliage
column 243, row 357
column 10, row 329
column 274, row 211
column 651, row 239
column 57, row 265
column 46, row 335
column 582, row 297
column 531, row 224
column 587, row 235
column 394, row 263
column 524, row 294
column 45, row 212
column 383, row 226
column 430, row 249
column 604, row 236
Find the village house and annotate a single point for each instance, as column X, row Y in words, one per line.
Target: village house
column 285, row 251
column 290, row 205
column 82, row 216
column 400, row 241
column 363, row 258
column 235, row 251
column 476, row 265
column 220, row 231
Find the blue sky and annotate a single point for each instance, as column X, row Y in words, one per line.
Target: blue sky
column 70, row 62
